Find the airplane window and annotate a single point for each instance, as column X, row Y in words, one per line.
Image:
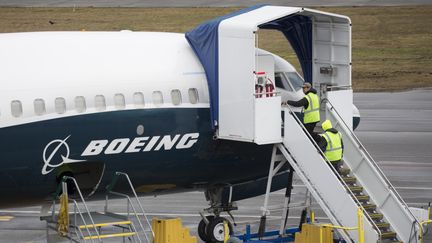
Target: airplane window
column 138, row 99
column 119, row 101
column 100, row 104
column 278, row 80
column 295, row 79
column 16, row 108
column 60, row 105
column 193, row 95
column 157, row 98
column 80, row 104
column 176, row 97
column 39, row 107
column 282, row 82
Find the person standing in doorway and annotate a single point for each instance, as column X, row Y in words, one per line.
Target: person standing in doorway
column 311, row 108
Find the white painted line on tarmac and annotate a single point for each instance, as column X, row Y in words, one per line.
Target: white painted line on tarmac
column 19, row 211
column 397, row 188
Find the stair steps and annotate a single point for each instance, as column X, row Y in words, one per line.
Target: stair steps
column 86, row 225
column 99, row 219
column 344, row 171
column 349, row 180
column 369, row 207
column 362, row 198
column 102, row 220
column 356, row 183
column 376, row 216
column 383, row 225
column 356, row 189
column 126, row 234
column 388, row 235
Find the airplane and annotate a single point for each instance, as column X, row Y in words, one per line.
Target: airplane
column 88, row 104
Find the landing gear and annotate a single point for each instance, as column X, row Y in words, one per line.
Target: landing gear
column 211, row 229
column 214, row 230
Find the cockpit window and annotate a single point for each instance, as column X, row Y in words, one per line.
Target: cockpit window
column 295, row 79
column 278, row 80
column 282, row 82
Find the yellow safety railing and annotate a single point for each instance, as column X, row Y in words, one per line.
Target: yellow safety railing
column 421, row 228
column 360, row 227
column 425, row 222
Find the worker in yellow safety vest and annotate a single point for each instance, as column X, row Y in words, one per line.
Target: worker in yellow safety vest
column 331, row 144
column 311, row 108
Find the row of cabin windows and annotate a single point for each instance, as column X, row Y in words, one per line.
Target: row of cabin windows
column 100, row 103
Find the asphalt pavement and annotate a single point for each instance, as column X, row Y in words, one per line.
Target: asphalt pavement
column 396, row 129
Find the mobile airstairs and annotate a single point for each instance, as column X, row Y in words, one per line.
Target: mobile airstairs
column 360, row 185
column 237, row 75
column 84, row 225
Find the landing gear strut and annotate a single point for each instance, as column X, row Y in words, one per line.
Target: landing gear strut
column 211, row 229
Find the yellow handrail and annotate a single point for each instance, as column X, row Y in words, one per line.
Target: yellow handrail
column 429, row 211
column 425, row 222
column 421, row 228
column 360, row 227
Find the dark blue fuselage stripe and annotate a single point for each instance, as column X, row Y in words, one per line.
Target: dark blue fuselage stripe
column 207, row 162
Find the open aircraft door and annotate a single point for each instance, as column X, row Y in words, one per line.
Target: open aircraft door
column 331, row 68
column 87, row 174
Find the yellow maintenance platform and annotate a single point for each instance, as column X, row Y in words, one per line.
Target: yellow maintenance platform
column 171, row 231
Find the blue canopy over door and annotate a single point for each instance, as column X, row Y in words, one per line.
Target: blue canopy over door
column 204, row 40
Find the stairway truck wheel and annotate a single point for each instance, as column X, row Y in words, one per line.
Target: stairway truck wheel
column 202, row 228
column 215, row 230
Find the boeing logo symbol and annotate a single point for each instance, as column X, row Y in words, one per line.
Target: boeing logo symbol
column 47, row 157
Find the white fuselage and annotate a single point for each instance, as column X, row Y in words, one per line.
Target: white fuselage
column 45, row 66
column 44, row 70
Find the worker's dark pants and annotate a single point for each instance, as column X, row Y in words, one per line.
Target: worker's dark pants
column 310, row 128
column 337, row 165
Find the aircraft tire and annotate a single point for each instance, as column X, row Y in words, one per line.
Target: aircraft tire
column 202, row 228
column 215, row 230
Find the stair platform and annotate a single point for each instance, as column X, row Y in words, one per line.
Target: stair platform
column 100, row 220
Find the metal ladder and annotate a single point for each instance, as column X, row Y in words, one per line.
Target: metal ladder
column 85, row 218
column 130, row 205
column 86, row 225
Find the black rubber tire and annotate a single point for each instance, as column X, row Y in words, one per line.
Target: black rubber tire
column 202, row 228
column 215, row 226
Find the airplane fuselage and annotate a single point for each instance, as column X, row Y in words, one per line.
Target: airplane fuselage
column 99, row 102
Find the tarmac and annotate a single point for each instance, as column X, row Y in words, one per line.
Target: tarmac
column 395, row 128
column 205, row 3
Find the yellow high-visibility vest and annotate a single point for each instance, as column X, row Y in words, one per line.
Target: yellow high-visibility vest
column 334, row 146
column 312, row 113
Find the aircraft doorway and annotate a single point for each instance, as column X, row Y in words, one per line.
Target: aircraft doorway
column 87, row 174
